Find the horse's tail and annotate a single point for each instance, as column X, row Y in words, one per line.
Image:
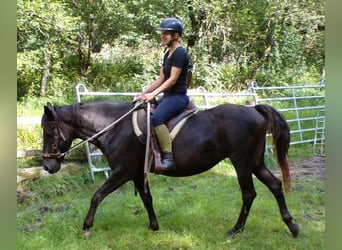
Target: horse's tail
column 280, row 130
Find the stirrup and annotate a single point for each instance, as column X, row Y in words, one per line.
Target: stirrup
column 167, row 164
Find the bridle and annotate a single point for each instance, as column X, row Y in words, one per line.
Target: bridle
column 59, row 134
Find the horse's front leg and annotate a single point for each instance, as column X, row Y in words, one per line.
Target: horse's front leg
column 146, row 197
column 112, row 183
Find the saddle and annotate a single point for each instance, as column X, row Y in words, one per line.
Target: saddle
column 139, row 121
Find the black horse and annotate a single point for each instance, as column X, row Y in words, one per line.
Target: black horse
column 226, row 131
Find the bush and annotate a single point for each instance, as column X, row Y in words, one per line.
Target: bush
column 116, row 76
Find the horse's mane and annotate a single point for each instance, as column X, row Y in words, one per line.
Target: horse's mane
column 104, row 104
column 73, row 111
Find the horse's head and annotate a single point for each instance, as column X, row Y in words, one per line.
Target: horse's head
column 55, row 143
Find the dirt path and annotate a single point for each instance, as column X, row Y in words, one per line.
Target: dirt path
column 307, row 168
column 313, row 167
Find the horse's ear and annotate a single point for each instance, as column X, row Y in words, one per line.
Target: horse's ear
column 49, row 111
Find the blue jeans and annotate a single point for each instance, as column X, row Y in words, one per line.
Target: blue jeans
column 169, row 106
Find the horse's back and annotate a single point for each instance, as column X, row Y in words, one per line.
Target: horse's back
column 224, row 118
column 217, row 133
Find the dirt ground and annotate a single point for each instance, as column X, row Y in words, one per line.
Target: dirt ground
column 311, row 167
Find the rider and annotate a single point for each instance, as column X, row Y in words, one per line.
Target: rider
column 172, row 82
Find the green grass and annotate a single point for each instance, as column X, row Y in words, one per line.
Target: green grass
column 193, row 213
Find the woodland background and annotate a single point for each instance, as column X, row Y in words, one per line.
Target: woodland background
column 114, row 45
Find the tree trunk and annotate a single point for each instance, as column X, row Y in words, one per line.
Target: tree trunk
column 196, row 22
column 46, row 71
column 85, row 56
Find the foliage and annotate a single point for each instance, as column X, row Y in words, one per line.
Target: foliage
column 29, row 137
column 231, row 43
column 46, row 34
column 118, row 69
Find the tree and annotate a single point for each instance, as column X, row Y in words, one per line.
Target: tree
column 45, row 35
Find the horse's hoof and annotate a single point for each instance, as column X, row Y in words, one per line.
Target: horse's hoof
column 86, row 233
column 294, row 228
column 154, row 227
column 233, row 232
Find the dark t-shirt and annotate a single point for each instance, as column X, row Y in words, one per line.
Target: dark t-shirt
column 179, row 59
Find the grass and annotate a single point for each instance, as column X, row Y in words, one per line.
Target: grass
column 193, row 213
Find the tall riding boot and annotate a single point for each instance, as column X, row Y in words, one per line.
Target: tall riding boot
column 164, row 139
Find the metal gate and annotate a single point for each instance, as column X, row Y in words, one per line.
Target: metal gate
column 319, row 139
column 302, row 106
column 298, row 104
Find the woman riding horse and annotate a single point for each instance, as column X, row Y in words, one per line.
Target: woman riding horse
column 172, row 80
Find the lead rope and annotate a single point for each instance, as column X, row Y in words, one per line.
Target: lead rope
column 147, row 152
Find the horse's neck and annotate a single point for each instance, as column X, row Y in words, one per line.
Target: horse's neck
column 76, row 122
column 87, row 119
column 90, row 118
column 85, row 122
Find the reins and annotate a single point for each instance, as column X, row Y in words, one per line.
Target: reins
column 147, row 150
column 137, row 105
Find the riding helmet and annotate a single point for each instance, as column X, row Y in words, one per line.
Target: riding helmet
column 172, row 24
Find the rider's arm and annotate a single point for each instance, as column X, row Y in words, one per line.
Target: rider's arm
column 159, row 87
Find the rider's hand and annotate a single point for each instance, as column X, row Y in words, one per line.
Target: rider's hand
column 138, row 97
column 149, row 96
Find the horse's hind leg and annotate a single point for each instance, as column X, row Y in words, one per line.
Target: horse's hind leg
column 112, row 183
column 146, row 197
column 275, row 186
column 248, row 195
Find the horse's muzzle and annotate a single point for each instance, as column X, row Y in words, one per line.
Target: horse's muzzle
column 51, row 165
